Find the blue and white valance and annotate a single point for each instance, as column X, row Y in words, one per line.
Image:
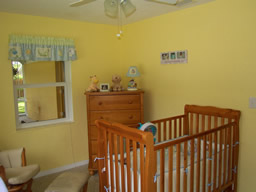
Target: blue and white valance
column 34, row 48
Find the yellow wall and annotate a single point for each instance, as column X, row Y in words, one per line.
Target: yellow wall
column 221, row 43
column 62, row 144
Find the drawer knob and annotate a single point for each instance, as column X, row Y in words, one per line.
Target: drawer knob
column 101, row 117
column 100, row 103
column 131, row 117
column 130, row 102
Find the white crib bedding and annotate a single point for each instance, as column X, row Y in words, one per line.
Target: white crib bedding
column 166, row 175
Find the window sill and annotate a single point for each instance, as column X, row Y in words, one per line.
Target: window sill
column 43, row 123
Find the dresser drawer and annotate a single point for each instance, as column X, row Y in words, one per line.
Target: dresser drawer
column 125, row 117
column 113, row 102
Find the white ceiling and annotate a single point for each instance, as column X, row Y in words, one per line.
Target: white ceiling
column 92, row 12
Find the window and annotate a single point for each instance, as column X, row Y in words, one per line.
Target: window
column 42, row 93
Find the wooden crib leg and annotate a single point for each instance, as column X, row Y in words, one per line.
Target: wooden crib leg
column 229, row 189
column 85, row 187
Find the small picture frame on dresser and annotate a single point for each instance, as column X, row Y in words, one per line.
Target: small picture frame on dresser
column 104, row 87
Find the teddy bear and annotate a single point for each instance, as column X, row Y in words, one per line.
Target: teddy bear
column 116, row 79
column 93, row 86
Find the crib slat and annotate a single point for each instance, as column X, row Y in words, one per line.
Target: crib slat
column 165, row 134
column 185, row 125
column 128, row 163
column 225, row 158
column 204, row 164
column 209, row 156
column 142, row 167
column 192, row 165
column 197, row 123
column 204, row 154
column 203, row 122
column 159, row 130
column 229, row 152
column 106, row 155
column 156, row 168
column 170, row 166
column 122, row 163
column 175, row 128
column 170, row 129
column 178, row 168
column 135, row 181
column 215, row 160
column 180, row 126
column 198, row 164
column 191, row 126
column 162, row 170
column 185, row 166
column 235, row 156
column 220, row 155
column 116, row 163
column 220, row 160
column 233, row 153
column 111, row 158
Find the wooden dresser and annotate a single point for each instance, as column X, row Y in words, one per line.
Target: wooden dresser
column 125, row 107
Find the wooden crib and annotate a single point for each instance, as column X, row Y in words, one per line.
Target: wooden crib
column 197, row 151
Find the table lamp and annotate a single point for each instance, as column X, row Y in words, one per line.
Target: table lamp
column 132, row 72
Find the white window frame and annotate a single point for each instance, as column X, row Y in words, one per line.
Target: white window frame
column 68, row 100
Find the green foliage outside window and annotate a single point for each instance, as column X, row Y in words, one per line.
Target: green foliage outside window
column 21, row 106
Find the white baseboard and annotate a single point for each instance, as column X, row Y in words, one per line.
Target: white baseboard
column 59, row 169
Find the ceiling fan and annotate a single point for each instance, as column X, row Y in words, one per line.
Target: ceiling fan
column 112, row 6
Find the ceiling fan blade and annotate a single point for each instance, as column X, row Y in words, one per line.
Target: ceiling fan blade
column 127, row 7
column 111, row 7
column 77, row 3
column 169, row 2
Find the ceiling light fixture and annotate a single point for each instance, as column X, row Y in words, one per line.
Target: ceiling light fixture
column 113, row 9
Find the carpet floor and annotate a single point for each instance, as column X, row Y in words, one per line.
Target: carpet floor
column 41, row 183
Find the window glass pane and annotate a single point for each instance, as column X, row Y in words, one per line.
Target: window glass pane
column 17, row 70
column 21, row 101
column 38, row 72
column 21, row 107
column 41, row 104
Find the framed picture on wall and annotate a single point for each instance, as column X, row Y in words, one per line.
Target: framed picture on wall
column 165, row 57
column 104, row 87
column 174, row 57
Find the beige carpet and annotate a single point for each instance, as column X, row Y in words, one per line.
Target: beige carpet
column 41, row 183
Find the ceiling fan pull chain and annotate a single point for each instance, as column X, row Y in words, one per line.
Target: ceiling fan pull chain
column 119, row 19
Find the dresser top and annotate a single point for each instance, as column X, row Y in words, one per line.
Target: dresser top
column 115, row 93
